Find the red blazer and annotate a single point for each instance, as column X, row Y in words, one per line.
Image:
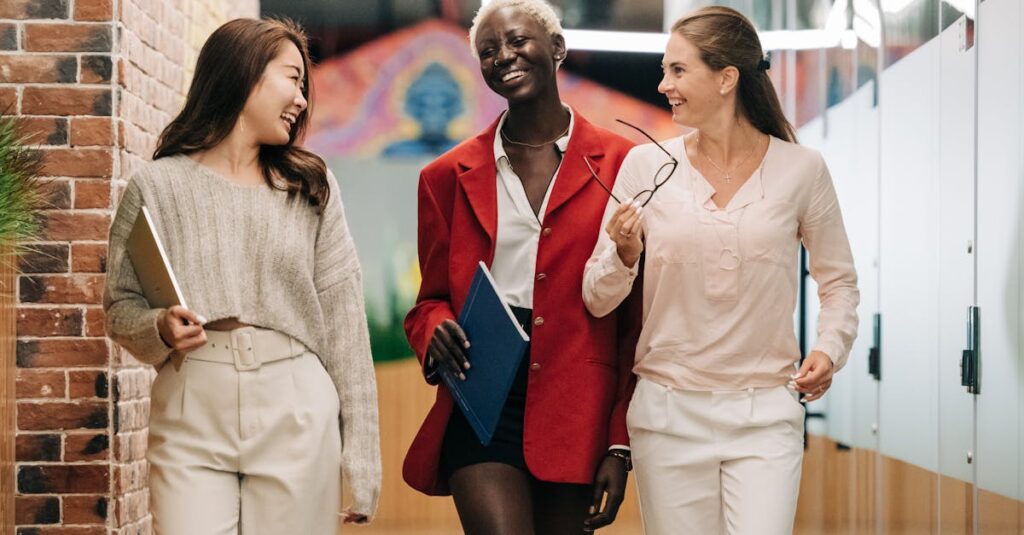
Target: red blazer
column 580, row 378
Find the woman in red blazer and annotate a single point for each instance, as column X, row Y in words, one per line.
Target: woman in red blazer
column 529, row 207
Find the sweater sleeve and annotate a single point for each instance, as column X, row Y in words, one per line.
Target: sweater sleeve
column 347, row 357
column 129, row 319
column 831, row 265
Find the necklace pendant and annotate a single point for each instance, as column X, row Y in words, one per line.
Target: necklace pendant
column 728, row 179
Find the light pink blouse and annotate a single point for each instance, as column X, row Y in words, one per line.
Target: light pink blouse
column 720, row 285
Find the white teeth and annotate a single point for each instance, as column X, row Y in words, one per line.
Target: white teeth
column 288, row 118
column 512, row 75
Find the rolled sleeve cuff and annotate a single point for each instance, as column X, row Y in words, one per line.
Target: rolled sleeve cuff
column 613, row 270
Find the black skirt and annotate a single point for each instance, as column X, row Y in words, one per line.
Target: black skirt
column 461, row 446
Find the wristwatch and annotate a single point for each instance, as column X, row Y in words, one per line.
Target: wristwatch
column 624, row 456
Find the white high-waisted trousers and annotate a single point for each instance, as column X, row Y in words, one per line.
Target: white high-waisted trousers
column 710, row 463
column 243, row 439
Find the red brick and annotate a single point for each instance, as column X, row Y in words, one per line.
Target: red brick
column 34, row 384
column 97, row 10
column 85, row 509
column 8, row 36
column 86, row 131
column 130, row 446
column 96, row 69
column 37, row 447
column 8, row 99
column 63, row 226
column 57, row 416
column 75, row 37
column 129, row 477
column 134, row 507
column 132, row 416
column 63, row 479
column 88, row 384
column 61, row 289
column 45, row 258
column 95, row 322
column 34, row 9
column 77, row 162
column 44, row 130
column 73, row 353
column 56, row 194
column 36, row 510
column 49, row 321
column 92, row 194
column 38, row 69
column 89, row 257
column 66, row 101
column 88, row 447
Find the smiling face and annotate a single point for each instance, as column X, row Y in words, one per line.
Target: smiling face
column 278, row 100
column 517, row 56
column 693, row 90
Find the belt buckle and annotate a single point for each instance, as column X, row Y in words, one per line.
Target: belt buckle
column 242, row 350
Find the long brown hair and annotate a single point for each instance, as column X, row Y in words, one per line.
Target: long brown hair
column 725, row 37
column 230, row 65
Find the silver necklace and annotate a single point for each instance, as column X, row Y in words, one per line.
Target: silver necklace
column 727, row 174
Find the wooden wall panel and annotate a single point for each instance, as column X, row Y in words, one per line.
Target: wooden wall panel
column 999, row 514
column 7, row 370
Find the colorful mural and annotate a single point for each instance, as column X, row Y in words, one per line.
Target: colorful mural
column 384, row 110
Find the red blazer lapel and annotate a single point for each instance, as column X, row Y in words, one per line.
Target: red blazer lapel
column 478, row 179
column 574, row 175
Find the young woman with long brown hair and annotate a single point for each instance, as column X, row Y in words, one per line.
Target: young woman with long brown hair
column 717, row 435
column 253, row 377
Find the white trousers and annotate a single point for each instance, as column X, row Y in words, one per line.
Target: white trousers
column 710, row 463
column 245, row 452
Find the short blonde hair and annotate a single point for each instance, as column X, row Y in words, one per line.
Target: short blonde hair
column 540, row 10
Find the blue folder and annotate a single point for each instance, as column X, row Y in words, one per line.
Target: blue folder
column 497, row 344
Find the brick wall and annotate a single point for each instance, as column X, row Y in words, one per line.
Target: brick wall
column 94, row 81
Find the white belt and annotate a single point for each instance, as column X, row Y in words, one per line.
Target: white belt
column 247, row 348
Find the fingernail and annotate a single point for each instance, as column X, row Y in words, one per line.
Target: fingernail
column 466, row 365
column 592, row 509
column 202, row 319
column 462, row 376
column 803, row 400
column 466, row 344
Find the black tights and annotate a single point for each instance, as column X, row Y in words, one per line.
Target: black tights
column 498, row 499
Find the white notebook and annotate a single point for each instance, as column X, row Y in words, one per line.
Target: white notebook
column 152, row 266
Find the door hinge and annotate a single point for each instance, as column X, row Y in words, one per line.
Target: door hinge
column 970, row 361
column 875, row 353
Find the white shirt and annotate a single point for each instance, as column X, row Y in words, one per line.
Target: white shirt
column 720, row 284
column 518, row 233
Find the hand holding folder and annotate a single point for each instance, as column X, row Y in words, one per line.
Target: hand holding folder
column 153, row 269
column 497, row 345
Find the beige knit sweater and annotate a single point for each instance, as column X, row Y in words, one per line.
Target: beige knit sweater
column 247, row 252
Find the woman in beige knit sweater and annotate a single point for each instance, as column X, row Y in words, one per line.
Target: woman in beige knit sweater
column 269, row 367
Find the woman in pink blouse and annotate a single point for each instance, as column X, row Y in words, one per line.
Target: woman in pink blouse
column 716, row 424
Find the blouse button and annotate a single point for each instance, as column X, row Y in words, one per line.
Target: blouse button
column 535, row 366
column 541, row 276
column 546, row 231
column 538, row 321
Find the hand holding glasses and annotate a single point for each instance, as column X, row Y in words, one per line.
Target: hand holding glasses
column 625, row 227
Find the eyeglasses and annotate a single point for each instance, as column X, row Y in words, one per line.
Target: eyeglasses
column 660, row 177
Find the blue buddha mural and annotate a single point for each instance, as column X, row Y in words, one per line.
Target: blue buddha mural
column 434, row 100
